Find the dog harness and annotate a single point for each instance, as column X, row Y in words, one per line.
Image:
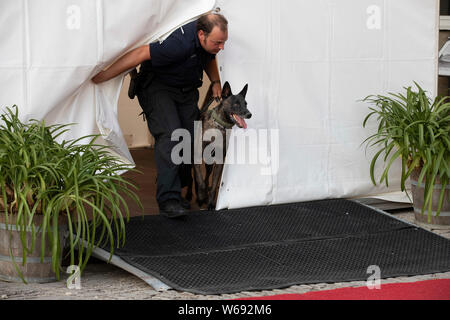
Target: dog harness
column 224, row 124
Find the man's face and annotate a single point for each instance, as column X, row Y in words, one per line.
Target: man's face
column 215, row 41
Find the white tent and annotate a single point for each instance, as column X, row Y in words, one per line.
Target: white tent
column 307, row 63
column 50, row 49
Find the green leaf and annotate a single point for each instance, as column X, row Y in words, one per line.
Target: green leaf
column 384, row 176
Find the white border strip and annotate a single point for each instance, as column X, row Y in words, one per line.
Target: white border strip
column 118, row 262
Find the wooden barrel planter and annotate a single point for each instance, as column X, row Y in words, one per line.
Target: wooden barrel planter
column 33, row 271
column 418, row 198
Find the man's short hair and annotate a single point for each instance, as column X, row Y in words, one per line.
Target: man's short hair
column 208, row 21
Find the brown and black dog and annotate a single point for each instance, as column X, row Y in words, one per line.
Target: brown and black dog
column 231, row 111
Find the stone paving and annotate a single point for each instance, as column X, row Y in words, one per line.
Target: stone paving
column 102, row 281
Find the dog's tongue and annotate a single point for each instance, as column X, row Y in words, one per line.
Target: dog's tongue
column 241, row 121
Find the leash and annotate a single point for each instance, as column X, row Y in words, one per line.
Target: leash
column 211, row 98
column 206, row 106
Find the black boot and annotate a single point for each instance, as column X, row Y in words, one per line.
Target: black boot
column 172, row 209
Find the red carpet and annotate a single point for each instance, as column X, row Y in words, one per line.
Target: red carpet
column 423, row 290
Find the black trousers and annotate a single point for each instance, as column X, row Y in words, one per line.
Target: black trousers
column 167, row 109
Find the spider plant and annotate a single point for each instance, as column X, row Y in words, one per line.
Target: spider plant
column 81, row 182
column 416, row 129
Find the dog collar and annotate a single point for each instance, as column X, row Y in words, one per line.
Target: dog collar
column 218, row 120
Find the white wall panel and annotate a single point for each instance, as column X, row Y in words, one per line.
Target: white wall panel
column 318, row 59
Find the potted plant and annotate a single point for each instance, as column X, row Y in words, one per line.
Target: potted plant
column 55, row 192
column 415, row 129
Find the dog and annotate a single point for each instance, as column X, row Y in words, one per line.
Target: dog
column 231, row 111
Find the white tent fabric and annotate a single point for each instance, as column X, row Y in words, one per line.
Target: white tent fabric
column 308, row 62
column 50, row 49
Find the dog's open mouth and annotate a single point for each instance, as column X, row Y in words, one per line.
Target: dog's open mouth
column 239, row 121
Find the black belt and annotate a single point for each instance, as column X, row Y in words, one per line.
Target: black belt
column 181, row 88
column 187, row 89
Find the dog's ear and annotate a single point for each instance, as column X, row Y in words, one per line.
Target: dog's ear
column 226, row 90
column 244, row 91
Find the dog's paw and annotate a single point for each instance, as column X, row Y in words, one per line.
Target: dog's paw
column 202, row 196
column 211, row 204
column 211, row 198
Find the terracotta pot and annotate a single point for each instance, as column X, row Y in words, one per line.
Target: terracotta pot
column 418, row 198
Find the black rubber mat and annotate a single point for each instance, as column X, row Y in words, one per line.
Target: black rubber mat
column 278, row 246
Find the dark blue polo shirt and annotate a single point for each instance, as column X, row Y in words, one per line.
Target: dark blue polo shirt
column 179, row 60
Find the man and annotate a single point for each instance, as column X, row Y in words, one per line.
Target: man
column 167, row 89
